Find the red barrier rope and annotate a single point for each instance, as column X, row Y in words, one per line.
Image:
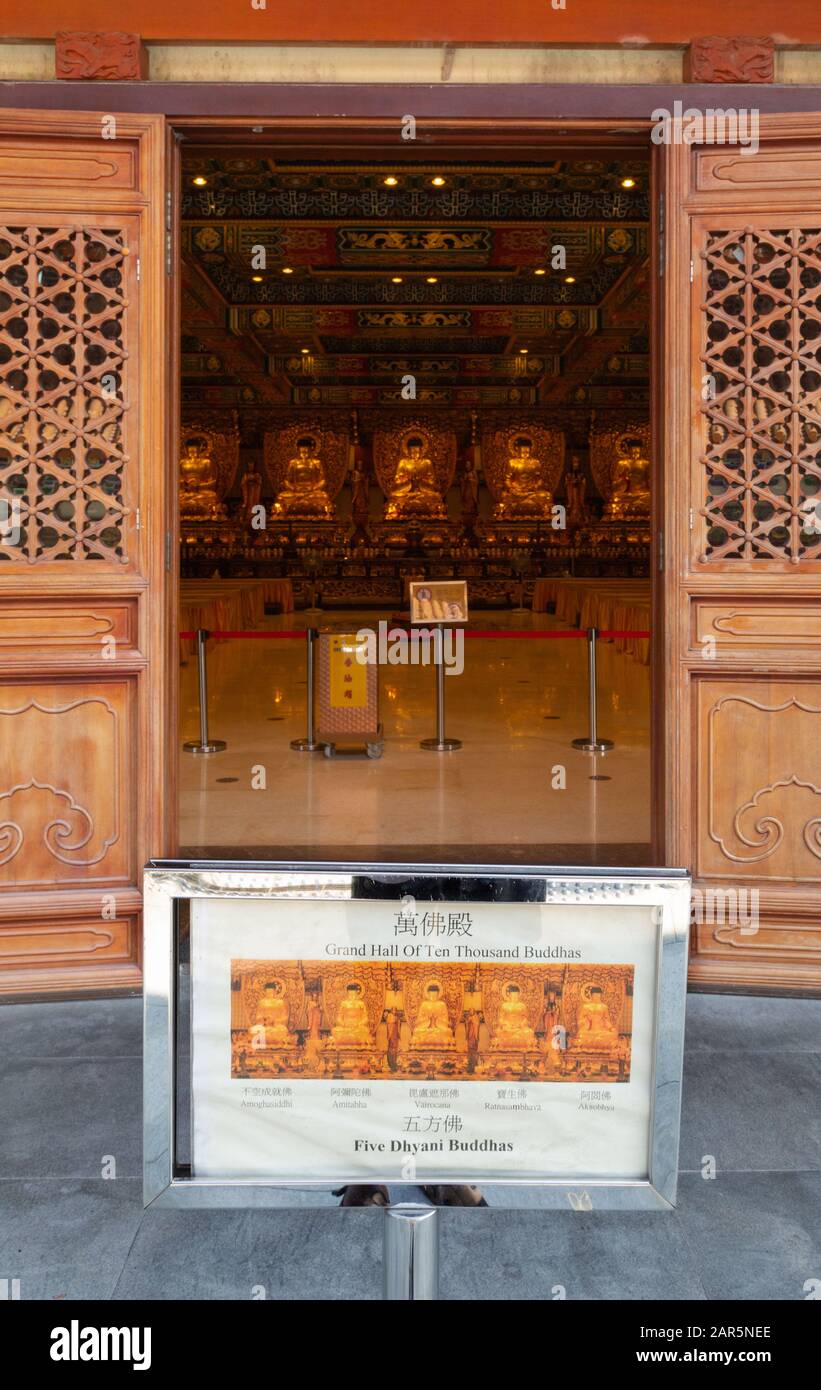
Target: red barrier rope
column 218, row 632
column 484, row 633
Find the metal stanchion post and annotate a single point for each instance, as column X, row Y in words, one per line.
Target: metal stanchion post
column 411, row 1252
column 309, row 744
column 206, row 744
column 592, row 743
column 440, row 744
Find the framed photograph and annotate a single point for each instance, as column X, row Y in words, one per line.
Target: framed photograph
column 439, row 601
column 412, row 1024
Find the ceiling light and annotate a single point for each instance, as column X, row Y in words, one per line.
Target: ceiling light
column 287, row 270
column 391, row 181
column 570, row 279
column 433, row 279
column 396, row 279
column 257, row 279
column 438, row 181
column 200, row 181
column 628, row 183
column 540, row 271
column 524, row 349
column 304, row 351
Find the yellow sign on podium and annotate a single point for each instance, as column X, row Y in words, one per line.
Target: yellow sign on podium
column 348, row 671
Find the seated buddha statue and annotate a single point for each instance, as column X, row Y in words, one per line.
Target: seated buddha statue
column 415, row 491
column 270, row 1027
column 594, row 1029
column 432, row 1023
column 512, row 1028
column 630, row 496
column 198, row 484
column 305, row 491
column 525, row 497
column 351, row 1028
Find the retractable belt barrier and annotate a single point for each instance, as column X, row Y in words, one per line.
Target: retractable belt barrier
column 588, row 743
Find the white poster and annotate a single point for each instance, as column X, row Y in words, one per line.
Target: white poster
column 414, row 1041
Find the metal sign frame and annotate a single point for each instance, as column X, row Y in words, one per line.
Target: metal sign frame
column 168, row 884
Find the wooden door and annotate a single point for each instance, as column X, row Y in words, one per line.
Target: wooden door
column 742, row 391
column 84, row 531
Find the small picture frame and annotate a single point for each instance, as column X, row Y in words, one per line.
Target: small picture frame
column 440, row 601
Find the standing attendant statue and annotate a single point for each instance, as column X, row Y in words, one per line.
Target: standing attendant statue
column 575, row 491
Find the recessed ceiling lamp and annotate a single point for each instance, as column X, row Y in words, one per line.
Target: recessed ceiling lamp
column 433, row 279
column 257, row 279
column 287, row 270
column 570, row 279
column 628, row 183
column 540, row 271
column 305, row 351
column 391, row 181
column 396, row 279
column 438, row 181
column 200, row 181
column 524, row 349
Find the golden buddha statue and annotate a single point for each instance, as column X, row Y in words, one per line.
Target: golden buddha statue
column 270, row 1027
column 630, row 496
column 305, row 491
column 594, row 1029
column 513, row 1029
column 432, row 1023
column 351, row 1028
column 525, row 497
column 198, row 484
column 415, row 491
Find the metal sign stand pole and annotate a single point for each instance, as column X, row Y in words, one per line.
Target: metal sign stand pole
column 592, row 743
column 440, row 744
column 411, row 1252
column 309, row 744
column 206, row 744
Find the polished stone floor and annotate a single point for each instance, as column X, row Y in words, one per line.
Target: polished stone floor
column 516, row 706
column 70, row 1102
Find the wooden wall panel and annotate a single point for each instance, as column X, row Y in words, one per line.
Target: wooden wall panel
column 743, row 575
column 85, row 509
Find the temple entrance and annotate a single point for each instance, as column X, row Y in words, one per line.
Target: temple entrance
column 416, row 373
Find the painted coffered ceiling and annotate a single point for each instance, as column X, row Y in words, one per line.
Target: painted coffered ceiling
column 330, row 284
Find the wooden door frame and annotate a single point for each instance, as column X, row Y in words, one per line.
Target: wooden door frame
column 445, row 137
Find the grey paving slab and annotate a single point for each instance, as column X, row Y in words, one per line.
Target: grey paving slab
column 530, row 1255
column 194, row 1254
column 753, row 1235
column 83, row 1028
column 739, row 1022
column 67, row 1239
column 317, row 1255
column 751, row 1110
column 61, row 1116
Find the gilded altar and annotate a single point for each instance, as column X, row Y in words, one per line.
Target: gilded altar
column 405, row 1021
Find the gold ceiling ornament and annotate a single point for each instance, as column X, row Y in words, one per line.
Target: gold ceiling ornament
column 547, row 444
column 219, row 430
column 331, row 445
column 608, row 443
column 391, row 441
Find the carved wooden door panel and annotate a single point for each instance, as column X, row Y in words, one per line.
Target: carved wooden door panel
column 83, row 509
column 743, row 572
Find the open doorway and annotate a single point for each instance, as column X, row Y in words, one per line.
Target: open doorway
column 425, row 370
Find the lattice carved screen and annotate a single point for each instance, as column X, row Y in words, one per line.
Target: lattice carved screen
column 63, row 364
column 761, row 355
